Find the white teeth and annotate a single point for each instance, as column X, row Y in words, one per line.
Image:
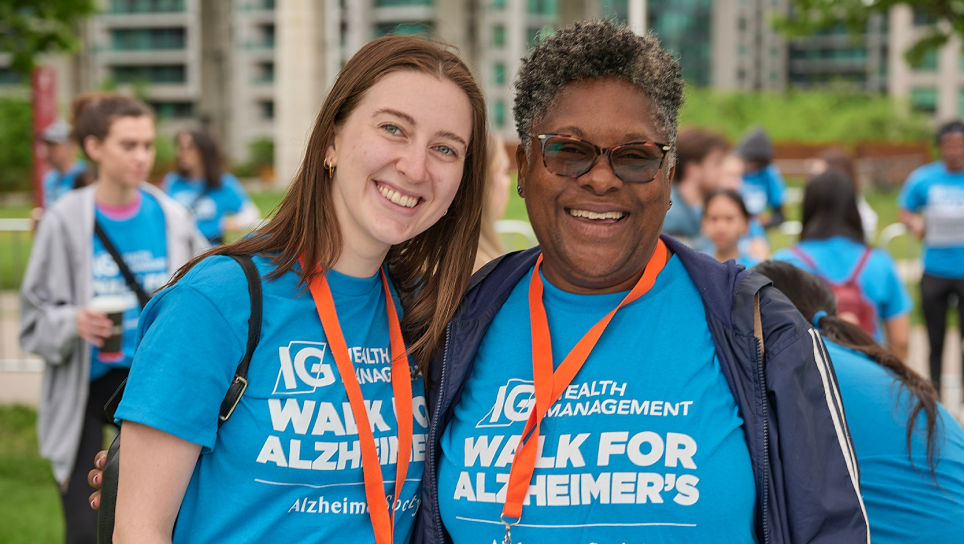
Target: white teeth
column 596, row 216
column 397, row 198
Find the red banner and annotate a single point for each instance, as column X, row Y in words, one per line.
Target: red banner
column 43, row 95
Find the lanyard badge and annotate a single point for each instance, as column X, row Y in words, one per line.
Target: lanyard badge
column 383, row 519
column 549, row 385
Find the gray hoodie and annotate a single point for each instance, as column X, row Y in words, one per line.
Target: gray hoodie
column 57, row 283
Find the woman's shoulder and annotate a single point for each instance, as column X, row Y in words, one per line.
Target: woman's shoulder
column 214, row 273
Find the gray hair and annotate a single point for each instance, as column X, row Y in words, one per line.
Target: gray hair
column 589, row 50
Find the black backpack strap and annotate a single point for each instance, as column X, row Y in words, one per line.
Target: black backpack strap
column 240, row 382
column 142, row 296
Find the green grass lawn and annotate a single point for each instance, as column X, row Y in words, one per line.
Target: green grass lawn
column 29, row 503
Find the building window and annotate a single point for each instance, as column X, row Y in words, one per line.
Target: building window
column 928, row 61
column 498, row 113
column 614, row 9
column 393, row 3
column 404, row 29
column 265, row 73
column 267, row 36
column 924, row 99
column 146, row 6
column 498, row 73
column 173, row 110
column 498, row 35
column 542, row 7
column 148, row 39
column 174, row 73
column 266, row 109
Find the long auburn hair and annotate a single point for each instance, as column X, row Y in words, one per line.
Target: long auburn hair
column 212, row 158
column 430, row 271
column 810, row 295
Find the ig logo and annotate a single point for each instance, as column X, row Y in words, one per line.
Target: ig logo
column 302, row 369
column 513, row 402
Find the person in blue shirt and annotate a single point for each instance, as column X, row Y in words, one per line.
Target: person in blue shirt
column 67, row 172
column 608, row 385
column 215, row 197
column 700, row 156
column 932, row 206
column 832, row 246
column 909, row 448
column 725, row 222
column 384, row 217
column 70, row 269
column 763, row 189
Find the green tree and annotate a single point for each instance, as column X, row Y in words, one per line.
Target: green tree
column 31, row 27
column 15, row 138
column 809, row 16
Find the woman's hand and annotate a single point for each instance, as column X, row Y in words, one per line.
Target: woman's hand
column 95, row 478
column 93, row 326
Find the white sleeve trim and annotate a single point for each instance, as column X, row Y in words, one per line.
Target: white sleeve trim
column 835, row 405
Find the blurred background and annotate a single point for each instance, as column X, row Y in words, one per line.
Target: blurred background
column 873, row 77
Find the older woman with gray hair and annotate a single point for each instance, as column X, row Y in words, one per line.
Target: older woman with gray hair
column 612, row 385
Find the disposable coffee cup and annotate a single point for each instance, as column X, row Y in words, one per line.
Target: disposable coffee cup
column 114, row 307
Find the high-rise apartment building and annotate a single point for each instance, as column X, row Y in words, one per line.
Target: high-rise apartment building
column 151, row 45
column 259, row 69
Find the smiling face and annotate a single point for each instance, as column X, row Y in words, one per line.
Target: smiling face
column 399, row 157
column 125, row 156
column 597, row 233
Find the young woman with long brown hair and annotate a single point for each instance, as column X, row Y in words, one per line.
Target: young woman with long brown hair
column 382, row 220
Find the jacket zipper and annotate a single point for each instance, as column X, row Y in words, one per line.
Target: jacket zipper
column 766, row 440
column 433, row 430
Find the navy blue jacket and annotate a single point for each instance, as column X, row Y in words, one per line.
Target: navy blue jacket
column 804, row 466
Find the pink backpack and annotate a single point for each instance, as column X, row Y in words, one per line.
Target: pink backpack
column 852, row 305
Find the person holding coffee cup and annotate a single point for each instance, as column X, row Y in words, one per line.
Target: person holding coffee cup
column 81, row 303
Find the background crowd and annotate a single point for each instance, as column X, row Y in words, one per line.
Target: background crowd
column 384, row 217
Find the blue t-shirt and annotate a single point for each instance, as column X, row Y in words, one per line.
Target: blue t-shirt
column 747, row 260
column 142, row 242
column 836, row 258
column 645, row 445
column 939, row 195
column 56, row 183
column 904, row 504
column 209, row 208
column 763, row 189
column 287, row 465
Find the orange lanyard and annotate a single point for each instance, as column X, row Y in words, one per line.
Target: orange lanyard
column 383, row 519
column 549, row 384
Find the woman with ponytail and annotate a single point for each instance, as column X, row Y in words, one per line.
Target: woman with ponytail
column 909, row 448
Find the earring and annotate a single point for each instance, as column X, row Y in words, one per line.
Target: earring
column 518, row 189
column 331, row 169
column 670, row 202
